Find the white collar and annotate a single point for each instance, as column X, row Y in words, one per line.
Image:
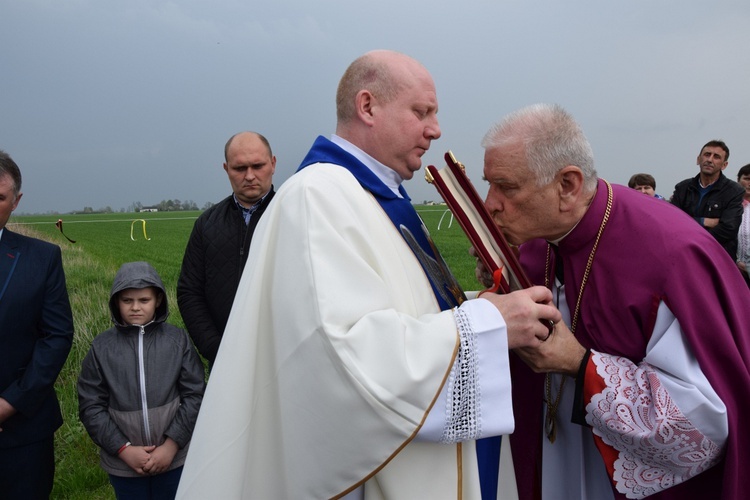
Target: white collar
column 387, row 175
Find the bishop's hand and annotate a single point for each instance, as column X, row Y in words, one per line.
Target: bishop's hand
column 561, row 353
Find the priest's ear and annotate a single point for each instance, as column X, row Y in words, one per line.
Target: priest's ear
column 364, row 102
column 570, row 182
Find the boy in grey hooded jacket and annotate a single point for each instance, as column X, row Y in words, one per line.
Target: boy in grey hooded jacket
column 140, row 389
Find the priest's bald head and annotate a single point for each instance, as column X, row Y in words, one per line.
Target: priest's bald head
column 386, row 105
column 540, row 168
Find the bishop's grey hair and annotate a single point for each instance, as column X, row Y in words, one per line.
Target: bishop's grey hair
column 552, row 140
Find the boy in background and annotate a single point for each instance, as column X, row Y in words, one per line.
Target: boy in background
column 140, row 388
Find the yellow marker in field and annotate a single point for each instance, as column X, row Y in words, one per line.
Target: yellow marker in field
column 144, row 229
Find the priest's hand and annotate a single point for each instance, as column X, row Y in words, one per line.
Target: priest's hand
column 527, row 314
column 560, row 353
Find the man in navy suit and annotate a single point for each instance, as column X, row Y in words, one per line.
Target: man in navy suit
column 36, row 332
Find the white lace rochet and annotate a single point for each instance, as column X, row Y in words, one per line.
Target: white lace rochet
column 657, row 446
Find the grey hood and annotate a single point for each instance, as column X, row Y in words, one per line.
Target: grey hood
column 137, row 275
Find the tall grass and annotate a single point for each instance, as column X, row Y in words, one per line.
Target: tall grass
column 103, row 243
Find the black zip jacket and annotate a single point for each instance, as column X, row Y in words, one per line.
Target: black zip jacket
column 723, row 201
column 211, row 269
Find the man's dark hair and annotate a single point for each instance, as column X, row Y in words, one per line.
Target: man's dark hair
column 716, row 143
column 743, row 171
column 9, row 167
column 642, row 180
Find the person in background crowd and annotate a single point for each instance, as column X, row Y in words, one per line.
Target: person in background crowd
column 743, row 235
column 713, row 200
column 217, row 250
column 646, row 184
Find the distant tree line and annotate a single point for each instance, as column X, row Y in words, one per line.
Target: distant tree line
column 166, row 206
column 169, row 206
column 162, row 206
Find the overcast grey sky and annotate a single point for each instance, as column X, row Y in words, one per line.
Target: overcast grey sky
column 105, row 103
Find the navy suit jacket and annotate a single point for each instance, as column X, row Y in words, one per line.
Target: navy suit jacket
column 36, row 333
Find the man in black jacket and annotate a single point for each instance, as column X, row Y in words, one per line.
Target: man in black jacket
column 217, row 249
column 713, row 200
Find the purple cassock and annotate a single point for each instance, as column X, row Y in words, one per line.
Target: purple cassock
column 649, row 252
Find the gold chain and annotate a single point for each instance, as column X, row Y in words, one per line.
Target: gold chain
column 550, row 419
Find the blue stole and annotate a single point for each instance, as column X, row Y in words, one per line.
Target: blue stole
column 402, row 214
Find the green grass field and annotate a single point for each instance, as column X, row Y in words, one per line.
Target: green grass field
column 103, row 243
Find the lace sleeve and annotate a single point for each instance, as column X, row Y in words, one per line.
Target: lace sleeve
column 647, row 442
column 475, row 401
